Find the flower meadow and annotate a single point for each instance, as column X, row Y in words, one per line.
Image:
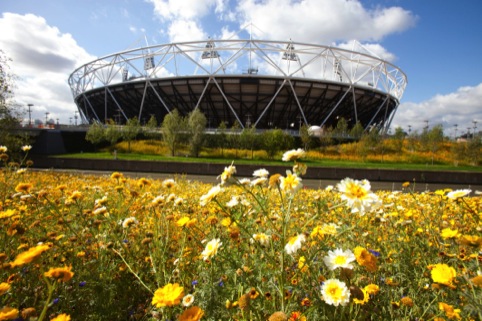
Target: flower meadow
column 82, row 247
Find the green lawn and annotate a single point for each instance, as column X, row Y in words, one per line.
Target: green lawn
column 309, row 162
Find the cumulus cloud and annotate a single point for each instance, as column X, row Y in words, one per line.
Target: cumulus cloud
column 461, row 107
column 42, row 59
column 324, row 21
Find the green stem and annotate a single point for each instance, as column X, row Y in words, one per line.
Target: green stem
column 50, row 288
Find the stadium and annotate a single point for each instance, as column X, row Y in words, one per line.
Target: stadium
column 265, row 84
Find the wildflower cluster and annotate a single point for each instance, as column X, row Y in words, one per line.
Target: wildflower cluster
column 249, row 248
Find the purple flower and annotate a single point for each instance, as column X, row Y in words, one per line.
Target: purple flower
column 377, row 254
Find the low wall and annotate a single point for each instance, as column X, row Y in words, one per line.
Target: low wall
column 387, row 175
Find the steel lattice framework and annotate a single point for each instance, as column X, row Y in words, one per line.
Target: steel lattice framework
column 268, row 84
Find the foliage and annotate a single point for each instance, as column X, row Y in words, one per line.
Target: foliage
column 130, row 131
column 151, row 129
column 245, row 249
column 196, row 124
column 113, row 132
column 274, row 141
column 10, row 114
column 172, row 128
column 305, row 136
column 96, row 133
column 248, row 139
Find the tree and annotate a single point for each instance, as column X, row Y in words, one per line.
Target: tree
column 130, row 131
column 96, row 133
column 112, row 132
column 151, row 127
column 341, row 128
column 248, row 139
column 305, row 136
column 326, row 137
column 172, row 128
column 357, row 131
column 196, row 123
column 275, row 140
column 398, row 138
column 10, row 116
column 234, row 137
column 222, row 141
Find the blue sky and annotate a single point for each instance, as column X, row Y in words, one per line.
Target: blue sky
column 437, row 43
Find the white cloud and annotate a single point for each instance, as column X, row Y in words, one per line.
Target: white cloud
column 323, row 21
column 185, row 30
column 461, row 107
column 42, row 59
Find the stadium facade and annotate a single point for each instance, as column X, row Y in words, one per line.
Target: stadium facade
column 265, row 84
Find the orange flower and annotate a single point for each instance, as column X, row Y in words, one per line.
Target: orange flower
column 29, row 255
column 61, row 274
column 192, row 314
column 7, row 313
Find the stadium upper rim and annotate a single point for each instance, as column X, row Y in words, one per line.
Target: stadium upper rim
column 356, row 69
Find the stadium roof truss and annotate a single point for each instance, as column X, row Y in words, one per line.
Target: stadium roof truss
column 252, row 82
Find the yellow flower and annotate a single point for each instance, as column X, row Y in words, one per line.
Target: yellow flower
column 290, row 183
column 23, row 188
column 325, row 229
column 61, row 317
column 443, row 274
column 471, row 240
column 302, row 264
column 449, row 310
column 7, row 313
column 366, row 259
column 192, row 314
column 211, row 249
column 26, row 148
column 372, row 289
column 4, row 287
column 335, row 292
column 366, row 297
column 7, row 213
column 61, row 274
column 448, row 233
column 29, row 255
column 182, row 221
column 169, row 295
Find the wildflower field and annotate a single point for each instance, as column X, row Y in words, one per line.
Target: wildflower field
column 79, row 247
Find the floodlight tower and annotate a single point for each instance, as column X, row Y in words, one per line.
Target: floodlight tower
column 29, row 114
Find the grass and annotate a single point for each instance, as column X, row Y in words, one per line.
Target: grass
column 264, row 162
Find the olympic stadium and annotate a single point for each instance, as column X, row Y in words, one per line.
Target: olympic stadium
column 265, row 84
